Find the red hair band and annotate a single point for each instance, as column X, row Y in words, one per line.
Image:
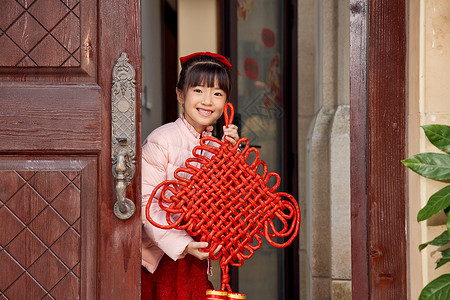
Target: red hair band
column 219, row 57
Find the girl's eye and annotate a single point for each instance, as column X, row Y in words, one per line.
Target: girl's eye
column 218, row 94
column 197, row 90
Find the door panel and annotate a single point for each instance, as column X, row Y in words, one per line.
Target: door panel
column 27, row 123
column 48, row 40
column 48, row 208
column 56, row 183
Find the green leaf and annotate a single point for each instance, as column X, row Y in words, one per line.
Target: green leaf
column 444, row 259
column 448, row 218
column 441, row 240
column 430, row 165
column 438, row 289
column 437, row 202
column 448, row 224
column 439, row 135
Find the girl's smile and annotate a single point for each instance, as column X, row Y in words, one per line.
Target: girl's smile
column 204, row 112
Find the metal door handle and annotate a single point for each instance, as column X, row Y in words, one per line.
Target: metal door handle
column 123, row 134
column 123, row 170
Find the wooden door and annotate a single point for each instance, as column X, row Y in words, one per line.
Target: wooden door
column 59, row 237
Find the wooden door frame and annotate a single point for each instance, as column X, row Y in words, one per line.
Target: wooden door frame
column 378, row 127
column 169, row 32
column 121, row 248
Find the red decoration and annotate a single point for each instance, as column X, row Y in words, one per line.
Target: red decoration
column 219, row 57
column 226, row 201
column 268, row 37
column 251, row 68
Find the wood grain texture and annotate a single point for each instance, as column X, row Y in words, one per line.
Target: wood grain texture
column 359, row 148
column 49, row 207
column 378, row 124
column 387, row 147
column 37, row 46
column 66, row 111
column 120, row 258
column 58, row 118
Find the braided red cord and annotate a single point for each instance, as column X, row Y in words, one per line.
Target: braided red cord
column 226, row 201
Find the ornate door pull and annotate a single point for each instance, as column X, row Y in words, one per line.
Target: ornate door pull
column 123, row 139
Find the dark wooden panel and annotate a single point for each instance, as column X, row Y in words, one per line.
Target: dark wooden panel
column 290, row 155
column 170, row 59
column 378, row 124
column 62, row 118
column 387, row 147
column 41, row 39
column 359, row 148
column 49, row 208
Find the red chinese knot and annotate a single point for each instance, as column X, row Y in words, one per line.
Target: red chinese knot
column 227, row 201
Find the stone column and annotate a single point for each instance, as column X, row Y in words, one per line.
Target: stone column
column 325, row 242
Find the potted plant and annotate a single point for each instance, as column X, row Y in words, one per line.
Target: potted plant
column 435, row 166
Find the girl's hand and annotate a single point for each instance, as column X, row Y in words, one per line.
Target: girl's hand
column 195, row 249
column 230, row 134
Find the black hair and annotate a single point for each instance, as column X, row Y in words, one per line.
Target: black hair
column 202, row 70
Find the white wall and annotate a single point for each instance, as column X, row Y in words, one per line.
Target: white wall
column 429, row 91
column 198, row 29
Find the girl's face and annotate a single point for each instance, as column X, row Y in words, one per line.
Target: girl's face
column 203, row 105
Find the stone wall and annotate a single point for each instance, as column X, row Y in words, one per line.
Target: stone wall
column 324, row 149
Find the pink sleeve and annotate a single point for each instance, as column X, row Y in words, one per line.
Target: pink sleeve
column 154, row 165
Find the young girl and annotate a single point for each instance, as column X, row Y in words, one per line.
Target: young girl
column 175, row 267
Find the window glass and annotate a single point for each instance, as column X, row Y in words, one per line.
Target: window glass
column 259, row 36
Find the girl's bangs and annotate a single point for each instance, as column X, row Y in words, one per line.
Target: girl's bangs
column 205, row 74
